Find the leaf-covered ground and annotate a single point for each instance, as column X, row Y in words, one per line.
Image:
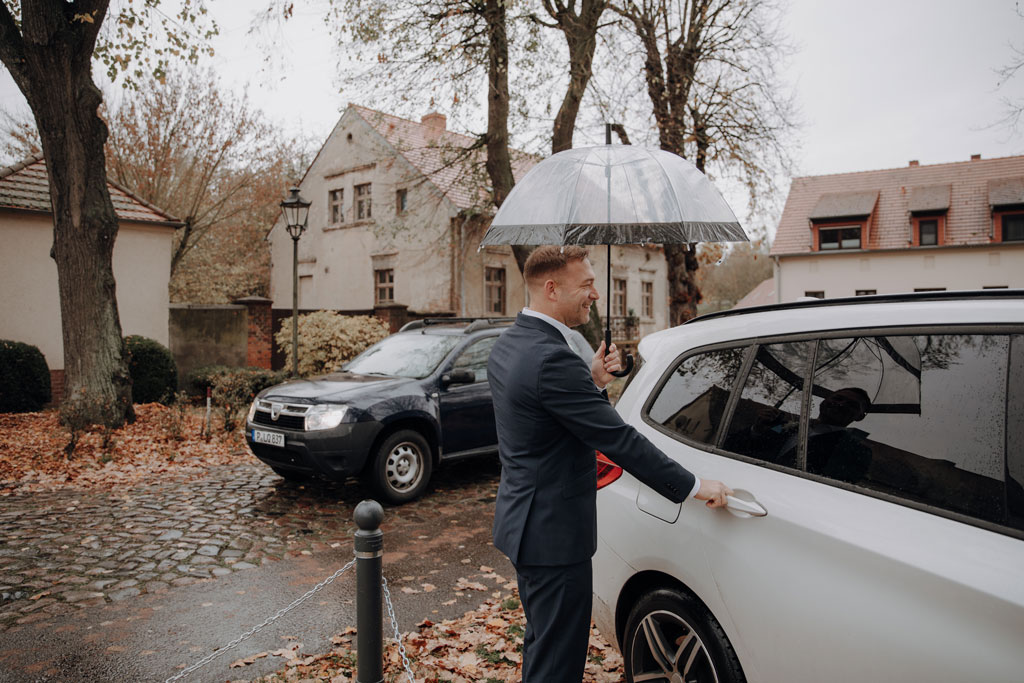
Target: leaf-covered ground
column 162, row 441
column 483, row 646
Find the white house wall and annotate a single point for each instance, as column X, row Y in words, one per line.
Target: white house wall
column 952, row 268
column 339, row 259
column 30, row 306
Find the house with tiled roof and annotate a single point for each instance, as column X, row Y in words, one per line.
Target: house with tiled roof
column 398, row 211
column 30, row 305
column 946, row 226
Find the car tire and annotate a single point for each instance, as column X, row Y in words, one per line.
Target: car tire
column 401, row 467
column 672, row 635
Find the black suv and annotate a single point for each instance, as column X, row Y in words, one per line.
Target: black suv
column 410, row 401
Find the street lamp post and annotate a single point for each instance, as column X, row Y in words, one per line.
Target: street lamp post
column 296, row 216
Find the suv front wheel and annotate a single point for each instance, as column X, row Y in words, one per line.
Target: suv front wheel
column 401, row 467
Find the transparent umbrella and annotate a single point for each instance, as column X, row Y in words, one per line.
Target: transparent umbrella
column 613, row 194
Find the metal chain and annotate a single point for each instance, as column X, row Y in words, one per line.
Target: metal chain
column 394, row 627
column 256, row 629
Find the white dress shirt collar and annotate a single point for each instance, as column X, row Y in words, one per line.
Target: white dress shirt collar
column 562, row 328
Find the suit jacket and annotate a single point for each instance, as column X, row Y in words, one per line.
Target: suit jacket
column 550, row 417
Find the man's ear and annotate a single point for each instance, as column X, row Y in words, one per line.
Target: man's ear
column 550, row 290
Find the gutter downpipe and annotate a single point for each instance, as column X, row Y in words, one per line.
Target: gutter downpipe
column 778, row 280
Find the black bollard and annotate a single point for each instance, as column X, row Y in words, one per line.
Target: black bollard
column 369, row 615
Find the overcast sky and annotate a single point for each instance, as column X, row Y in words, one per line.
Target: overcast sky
column 877, row 82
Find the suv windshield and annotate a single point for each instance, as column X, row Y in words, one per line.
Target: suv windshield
column 404, row 355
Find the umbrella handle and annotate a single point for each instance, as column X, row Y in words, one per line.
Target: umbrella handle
column 628, row 369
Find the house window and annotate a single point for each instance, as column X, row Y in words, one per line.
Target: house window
column 815, row 294
column 647, row 299
column 384, row 283
column 929, row 233
column 401, row 201
column 495, row 285
column 363, row 202
column 336, row 204
column 619, row 297
column 845, row 237
column 866, row 292
column 1013, row 227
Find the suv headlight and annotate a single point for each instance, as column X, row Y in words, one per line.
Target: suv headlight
column 324, row 416
column 252, row 410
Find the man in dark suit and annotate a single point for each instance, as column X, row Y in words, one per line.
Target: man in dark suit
column 551, row 413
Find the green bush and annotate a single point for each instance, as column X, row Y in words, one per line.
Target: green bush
column 24, row 378
column 153, row 370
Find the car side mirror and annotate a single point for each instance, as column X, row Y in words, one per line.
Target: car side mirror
column 458, row 377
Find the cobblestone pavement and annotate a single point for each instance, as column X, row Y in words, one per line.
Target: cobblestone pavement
column 64, row 551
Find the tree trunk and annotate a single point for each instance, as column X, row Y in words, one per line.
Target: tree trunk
column 52, row 66
column 669, row 81
column 684, row 295
column 499, row 161
column 581, row 38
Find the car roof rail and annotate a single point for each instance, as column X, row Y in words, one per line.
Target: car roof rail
column 474, row 323
column 483, row 323
column 945, row 295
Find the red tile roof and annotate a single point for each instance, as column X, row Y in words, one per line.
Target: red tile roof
column 968, row 221
column 25, row 186
column 440, row 157
column 762, row 295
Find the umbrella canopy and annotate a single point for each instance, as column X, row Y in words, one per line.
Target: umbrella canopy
column 613, row 194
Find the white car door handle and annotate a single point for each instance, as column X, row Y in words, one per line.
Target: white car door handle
column 744, row 505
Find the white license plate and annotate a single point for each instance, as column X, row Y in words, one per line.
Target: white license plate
column 270, row 438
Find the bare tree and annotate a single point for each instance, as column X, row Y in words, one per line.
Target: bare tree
column 1013, row 108
column 48, row 47
column 206, row 157
column 709, row 74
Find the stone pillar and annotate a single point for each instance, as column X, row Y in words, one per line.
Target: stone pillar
column 393, row 315
column 260, row 341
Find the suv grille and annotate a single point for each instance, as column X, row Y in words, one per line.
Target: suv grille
column 291, row 416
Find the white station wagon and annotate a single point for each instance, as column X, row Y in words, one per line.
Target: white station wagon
column 876, row 449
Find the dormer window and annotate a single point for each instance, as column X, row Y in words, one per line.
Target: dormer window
column 928, row 232
column 1011, row 227
column 844, row 237
column 928, row 206
column 1006, row 197
column 841, row 220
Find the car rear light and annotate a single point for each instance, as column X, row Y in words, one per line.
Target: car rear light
column 607, row 471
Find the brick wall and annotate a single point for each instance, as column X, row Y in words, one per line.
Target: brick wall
column 260, row 343
column 56, row 386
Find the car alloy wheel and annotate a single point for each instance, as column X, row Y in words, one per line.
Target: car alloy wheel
column 401, row 467
column 671, row 638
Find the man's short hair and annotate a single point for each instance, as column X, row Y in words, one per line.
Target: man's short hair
column 548, row 259
column 865, row 399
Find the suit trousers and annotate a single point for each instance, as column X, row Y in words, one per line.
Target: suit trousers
column 557, row 601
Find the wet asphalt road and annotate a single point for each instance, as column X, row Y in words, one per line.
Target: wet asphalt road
column 134, row 585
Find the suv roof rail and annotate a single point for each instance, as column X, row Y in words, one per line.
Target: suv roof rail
column 951, row 295
column 481, row 323
column 474, row 323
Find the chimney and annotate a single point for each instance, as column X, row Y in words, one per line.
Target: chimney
column 435, row 123
column 914, row 162
column 975, row 157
